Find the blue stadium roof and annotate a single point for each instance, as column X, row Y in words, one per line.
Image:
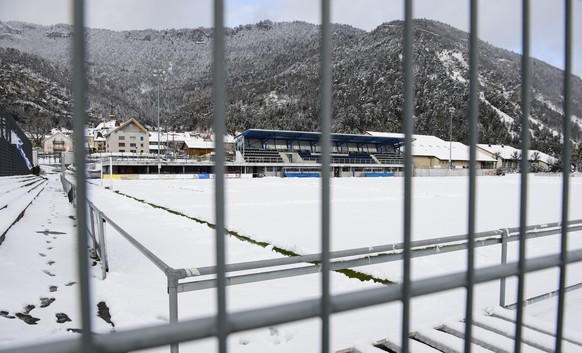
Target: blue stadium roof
column 314, row 137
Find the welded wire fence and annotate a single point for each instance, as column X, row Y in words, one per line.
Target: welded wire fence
column 225, row 323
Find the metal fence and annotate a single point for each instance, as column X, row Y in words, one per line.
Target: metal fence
column 225, row 323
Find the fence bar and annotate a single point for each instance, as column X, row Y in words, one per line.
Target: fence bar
column 173, row 306
column 534, row 231
column 435, row 249
column 473, row 122
column 325, row 122
column 502, row 284
column 153, row 258
column 524, row 166
column 207, row 270
column 102, row 247
column 408, row 130
column 79, row 85
column 219, row 98
column 549, row 295
column 566, row 165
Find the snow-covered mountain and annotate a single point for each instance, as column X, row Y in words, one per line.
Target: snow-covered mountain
column 273, row 71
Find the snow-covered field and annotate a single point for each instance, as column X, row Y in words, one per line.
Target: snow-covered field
column 283, row 213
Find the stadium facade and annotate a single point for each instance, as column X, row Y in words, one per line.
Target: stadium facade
column 280, row 153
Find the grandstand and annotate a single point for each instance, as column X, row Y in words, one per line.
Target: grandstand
column 260, row 153
column 298, row 154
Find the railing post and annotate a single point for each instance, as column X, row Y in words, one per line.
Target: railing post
column 102, row 248
column 173, row 277
column 92, row 232
column 504, row 235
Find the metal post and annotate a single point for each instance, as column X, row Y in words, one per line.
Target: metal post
column 473, row 135
column 504, row 235
column 524, row 164
column 408, row 109
column 92, row 233
column 158, row 74
column 325, row 142
column 219, row 114
column 111, row 171
column 101, row 170
column 79, row 85
column 102, row 249
column 173, row 301
column 566, row 168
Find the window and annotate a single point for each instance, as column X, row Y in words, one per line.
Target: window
column 121, row 138
column 122, row 144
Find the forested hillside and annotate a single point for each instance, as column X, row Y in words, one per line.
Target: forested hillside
column 272, row 76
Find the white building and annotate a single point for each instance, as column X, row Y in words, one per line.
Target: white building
column 128, row 137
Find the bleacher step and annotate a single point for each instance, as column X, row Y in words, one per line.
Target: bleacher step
column 491, row 331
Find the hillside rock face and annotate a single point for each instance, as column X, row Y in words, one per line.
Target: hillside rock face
column 273, row 77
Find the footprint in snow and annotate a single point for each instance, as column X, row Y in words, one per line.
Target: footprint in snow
column 27, row 318
column 48, row 273
column 44, row 302
column 62, row 318
column 25, row 315
column 53, row 288
column 6, row 314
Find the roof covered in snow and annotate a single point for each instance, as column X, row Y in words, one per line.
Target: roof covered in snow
column 432, row 146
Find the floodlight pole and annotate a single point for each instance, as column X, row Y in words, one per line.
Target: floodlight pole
column 158, row 73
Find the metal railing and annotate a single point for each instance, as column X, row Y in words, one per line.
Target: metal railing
column 181, row 280
column 225, row 323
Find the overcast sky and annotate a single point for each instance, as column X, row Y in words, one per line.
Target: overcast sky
column 499, row 22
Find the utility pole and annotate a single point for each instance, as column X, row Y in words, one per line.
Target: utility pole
column 159, row 74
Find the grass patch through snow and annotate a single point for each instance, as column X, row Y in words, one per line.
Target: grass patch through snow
column 347, row 272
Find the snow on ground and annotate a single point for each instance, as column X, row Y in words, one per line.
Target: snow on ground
column 284, row 213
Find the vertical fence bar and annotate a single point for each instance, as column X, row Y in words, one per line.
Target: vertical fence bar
column 473, row 134
column 503, row 280
column 173, row 305
column 219, row 98
column 408, row 129
column 102, row 248
column 325, row 122
column 566, row 164
column 79, row 85
column 524, row 167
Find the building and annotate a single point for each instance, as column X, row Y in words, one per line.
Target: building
column 431, row 152
column 128, row 137
column 509, row 158
column 56, row 143
column 96, row 142
column 298, row 153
